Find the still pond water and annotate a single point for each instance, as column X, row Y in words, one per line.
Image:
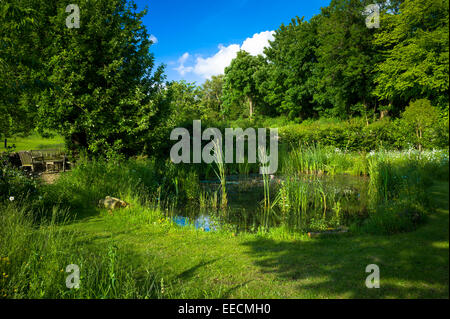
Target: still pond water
column 245, row 196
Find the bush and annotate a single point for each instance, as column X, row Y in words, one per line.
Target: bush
column 395, row 217
column 356, row 135
column 89, row 181
column 14, row 183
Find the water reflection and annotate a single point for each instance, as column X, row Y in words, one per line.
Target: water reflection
column 246, row 194
column 202, row 222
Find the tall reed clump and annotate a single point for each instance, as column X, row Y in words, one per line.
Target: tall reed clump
column 34, row 258
column 220, row 172
column 305, row 159
column 309, row 205
column 266, row 185
column 209, row 199
column 263, row 158
column 398, row 190
column 318, row 160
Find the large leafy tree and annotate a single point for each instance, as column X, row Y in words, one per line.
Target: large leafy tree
column 185, row 103
column 343, row 76
column 105, row 96
column 240, row 85
column 102, row 91
column 421, row 118
column 415, row 44
column 18, row 68
column 287, row 82
column 212, row 96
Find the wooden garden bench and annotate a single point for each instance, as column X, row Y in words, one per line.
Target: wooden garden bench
column 43, row 157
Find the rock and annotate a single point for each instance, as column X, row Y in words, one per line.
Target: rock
column 112, row 203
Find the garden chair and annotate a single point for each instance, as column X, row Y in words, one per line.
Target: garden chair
column 29, row 160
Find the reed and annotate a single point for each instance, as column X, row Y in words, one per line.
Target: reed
column 220, row 172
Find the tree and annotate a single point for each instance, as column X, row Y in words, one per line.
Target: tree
column 343, row 76
column 18, row 69
column 185, row 102
column 239, row 82
column 415, row 45
column 286, row 84
column 212, row 96
column 105, row 94
column 421, row 117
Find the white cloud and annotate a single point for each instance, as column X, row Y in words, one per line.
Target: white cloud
column 217, row 63
column 214, row 65
column 256, row 44
column 153, row 39
column 183, row 58
column 181, row 68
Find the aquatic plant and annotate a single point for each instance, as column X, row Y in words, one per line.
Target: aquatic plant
column 220, row 172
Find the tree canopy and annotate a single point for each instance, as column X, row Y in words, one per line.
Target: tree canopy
column 99, row 87
column 102, row 90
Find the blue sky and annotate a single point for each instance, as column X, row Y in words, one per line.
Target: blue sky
column 189, row 33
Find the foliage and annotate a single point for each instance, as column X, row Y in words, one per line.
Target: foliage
column 240, row 83
column 420, row 118
column 345, row 59
column 102, row 91
column 356, row 135
column 415, row 45
column 19, row 67
column 15, row 185
column 212, row 97
column 287, row 86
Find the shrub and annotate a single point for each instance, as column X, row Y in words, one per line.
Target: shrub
column 395, row 217
column 14, row 183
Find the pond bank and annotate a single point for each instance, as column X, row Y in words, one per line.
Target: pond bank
column 198, row 264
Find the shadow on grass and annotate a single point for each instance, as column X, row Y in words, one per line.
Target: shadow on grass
column 191, row 271
column 412, row 265
column 227, row 294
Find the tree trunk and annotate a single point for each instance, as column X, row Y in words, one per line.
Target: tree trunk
column 250, row 103
column 420, row 140
column 365, row 114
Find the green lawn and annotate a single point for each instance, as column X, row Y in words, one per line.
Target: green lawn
column 195, row 264
column 34, row 142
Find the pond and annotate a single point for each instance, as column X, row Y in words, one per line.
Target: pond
column 305, row 202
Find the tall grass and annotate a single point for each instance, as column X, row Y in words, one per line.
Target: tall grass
column 319, row 160
column 309, row 204
column 220, row 173
column 398, row 188
column 34, row 257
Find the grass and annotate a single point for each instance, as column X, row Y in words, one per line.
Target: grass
column 34, row 261
column 137, row 252
column 34, row 142
column 195, row 264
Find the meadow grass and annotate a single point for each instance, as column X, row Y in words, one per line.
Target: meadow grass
column 34, row 142
column 138, row 252
column 276, row 264
column 34, row 257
